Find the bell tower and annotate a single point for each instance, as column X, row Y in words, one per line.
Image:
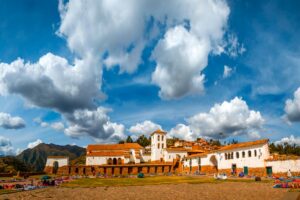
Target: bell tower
column 158, row 143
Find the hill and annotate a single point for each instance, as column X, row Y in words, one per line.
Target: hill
column 12, row 164
column 37, row 156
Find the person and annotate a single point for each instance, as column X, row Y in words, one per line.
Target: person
column 289, row 174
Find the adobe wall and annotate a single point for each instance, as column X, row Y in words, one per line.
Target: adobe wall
column 112, row 170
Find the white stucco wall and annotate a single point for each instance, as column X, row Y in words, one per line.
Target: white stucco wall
column 282, row 166
column 253, row 161
column 170, row 155
column 157, row 153
column 97, row 160
column 61, row 162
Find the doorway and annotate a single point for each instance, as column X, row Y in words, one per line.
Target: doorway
column 233, row 167
column 269, row 171
column 246, row 170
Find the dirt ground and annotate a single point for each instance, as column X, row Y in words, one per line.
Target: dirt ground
column 227, row 190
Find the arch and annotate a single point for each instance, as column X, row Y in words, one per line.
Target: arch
column 114, row 161
column 83, row 171
column 55, row 167
column 76, row 170
column 109, row 161
column 119, row 161
column 249, row 153
column 213, row 161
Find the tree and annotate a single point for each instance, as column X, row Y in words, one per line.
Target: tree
column 129, row 140
column 143, row 141
column 121, row 142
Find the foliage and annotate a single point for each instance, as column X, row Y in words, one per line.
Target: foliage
column 214, row 142
column 129, row 140
column 12, row 164
column 143, row 141
column 286, row 148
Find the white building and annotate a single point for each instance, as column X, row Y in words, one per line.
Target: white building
column 158, row 144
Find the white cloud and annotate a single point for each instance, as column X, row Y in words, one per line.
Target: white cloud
column 59, row 126
column 52, row 82
column 233, row 47
column 227, row 71
column 145, row 128
column 290, row 140
column 33, row 144
column 227, row 119
column 292, row 107
column 6, row 147
column 9, row 122
column 94, row 123
column 98, row 33
column 181, row 131
column 180, row 57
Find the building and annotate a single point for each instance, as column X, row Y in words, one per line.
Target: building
column 251, row 158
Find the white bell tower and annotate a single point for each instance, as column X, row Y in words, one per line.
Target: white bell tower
column 158, row 143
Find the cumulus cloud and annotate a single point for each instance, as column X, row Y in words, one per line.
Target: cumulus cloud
column 145, row 128
column 52, row 82
column 292, row 107
column 227, row 71
column 289, row 140
column 115, row 33
column 59, row 126
column 182, row 131
column 6, row 147
column 9, row 122
column 34, row 143
column 120, row 31
column 94, row 123
column 227, row 119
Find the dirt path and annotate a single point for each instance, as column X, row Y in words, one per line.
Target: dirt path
column 228, row 190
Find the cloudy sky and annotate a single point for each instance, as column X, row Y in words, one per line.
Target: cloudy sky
column 80, row 72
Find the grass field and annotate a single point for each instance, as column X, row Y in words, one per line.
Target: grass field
column 157, row 180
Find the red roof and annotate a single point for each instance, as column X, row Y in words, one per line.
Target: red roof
column 158, row 131
column 100, row 147
column 244, row 144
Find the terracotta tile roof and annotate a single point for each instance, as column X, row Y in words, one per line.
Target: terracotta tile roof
column 277, row 157
column 243, row 144
column 126, row 146
column 113, row 153
column 57, row 157
column 158, row 131
column 196, row 151
column 177, row 149
column 197, row 155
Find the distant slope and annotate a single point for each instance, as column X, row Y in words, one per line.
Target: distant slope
column 37, row 156
column 12, row 164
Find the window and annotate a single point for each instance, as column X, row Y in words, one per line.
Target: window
column 255, row 153
column 162, row 138
column 231, row 155
column 162, row 146
column 158, row 138
column 243, row 154
column 225, row 156
column 237, row 155
column 249, row 153
column 158, row 145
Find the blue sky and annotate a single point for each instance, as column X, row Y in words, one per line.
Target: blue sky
column 260, row 47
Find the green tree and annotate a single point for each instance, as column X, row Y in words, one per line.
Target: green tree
column 129, row 140
column 143, row 141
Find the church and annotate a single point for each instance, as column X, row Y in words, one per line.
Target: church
column 186, row 157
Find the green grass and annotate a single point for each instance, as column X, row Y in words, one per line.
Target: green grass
column 157, row 180
column 8, row 191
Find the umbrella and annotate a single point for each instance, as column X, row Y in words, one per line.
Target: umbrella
column 46, row 177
